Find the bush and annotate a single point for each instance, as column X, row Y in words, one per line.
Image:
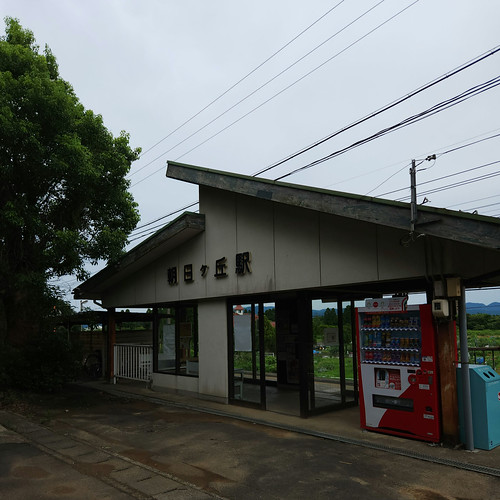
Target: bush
column 46, row 365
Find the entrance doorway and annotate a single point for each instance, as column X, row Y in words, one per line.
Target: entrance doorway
column 254, row 355
column 285, row 359
column 332, row 369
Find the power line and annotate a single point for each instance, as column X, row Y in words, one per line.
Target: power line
column 238, row 82
column 444, row 177
column 406, row 164
column 457, row 184
column 399, row 170
column 165, row 216
column 260, row 88
column 467, row 145
column 485, row 206
column 437, row 108
column 437, row 154
column 278, row 93
column 452, row 150
column 392, row 104
column 473, row 201
column 388, row 178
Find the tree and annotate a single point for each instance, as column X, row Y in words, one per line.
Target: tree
column 270, row 314
column 63, row 192
column 330, row 317
column 269, row 335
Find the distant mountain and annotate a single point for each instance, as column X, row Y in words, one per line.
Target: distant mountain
column 319, row 312
column 472, row 308
column 478, row 308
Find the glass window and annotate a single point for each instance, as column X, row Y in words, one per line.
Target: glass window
column 178, row 340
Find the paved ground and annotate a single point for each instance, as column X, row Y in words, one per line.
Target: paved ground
column 92, row 444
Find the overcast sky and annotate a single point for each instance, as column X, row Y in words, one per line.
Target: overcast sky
column 149, row 67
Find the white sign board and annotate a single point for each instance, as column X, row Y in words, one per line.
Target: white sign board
column 331, row 336
column 397, row 304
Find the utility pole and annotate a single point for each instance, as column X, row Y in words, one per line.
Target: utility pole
column 413, row 192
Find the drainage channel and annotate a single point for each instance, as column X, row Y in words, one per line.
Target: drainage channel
column 482, row 469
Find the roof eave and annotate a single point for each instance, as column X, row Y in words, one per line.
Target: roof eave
column 448, row 224
column 174, row 234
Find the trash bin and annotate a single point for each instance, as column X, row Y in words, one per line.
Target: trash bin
column 485, row 401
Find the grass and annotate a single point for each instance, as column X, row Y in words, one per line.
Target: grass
column 329, row 366
column 325, row 365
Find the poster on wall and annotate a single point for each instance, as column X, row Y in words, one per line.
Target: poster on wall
column 168, row 342
column 242, row 332
column 331, row 336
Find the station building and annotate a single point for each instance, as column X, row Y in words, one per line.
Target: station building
column 258, row 245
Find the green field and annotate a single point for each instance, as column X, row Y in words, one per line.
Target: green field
column 325, row 366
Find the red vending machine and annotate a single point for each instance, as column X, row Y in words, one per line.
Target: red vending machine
column 398, row 384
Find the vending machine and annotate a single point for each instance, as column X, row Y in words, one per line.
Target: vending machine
column 398, row 385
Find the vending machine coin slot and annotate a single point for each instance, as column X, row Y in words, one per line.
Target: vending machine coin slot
column 392, row 403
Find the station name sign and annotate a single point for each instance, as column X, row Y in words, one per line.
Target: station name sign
column 242, row 266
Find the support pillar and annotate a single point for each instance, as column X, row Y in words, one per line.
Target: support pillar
column 464, row 360
column 110, row 369
column 447, row 362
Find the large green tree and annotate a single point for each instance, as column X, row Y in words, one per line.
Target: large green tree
column 63, row 191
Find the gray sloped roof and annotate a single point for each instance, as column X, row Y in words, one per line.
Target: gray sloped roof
column 175, row 233
column 473, row 229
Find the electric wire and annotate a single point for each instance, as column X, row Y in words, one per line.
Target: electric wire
column 485, row 206
column 165, row 216
column 466, row 145
column 278, row 93
column 456, row 184
column 473, row 201
column 441, row 178
column 448, row 151
column 259, row 88
column 388, row 179
column 437, row 155
column 152, row 230
column 398, row 163
column 485, row 212
column 437, row 108
column 391, row 105
column 239, row 81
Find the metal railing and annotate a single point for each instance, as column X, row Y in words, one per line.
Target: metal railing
column 483, row 355
column 133, row 361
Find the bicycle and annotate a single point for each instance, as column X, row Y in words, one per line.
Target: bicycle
column 93, row 364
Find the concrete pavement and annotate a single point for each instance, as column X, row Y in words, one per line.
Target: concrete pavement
column 342, row 426
column 36, row 462
column 127, row 441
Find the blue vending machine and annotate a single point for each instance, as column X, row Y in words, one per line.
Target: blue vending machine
column 485, row 401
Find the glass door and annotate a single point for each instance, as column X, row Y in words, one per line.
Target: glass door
column 332, row 363
column 247, row 360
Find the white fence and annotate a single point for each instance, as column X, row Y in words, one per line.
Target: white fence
column 133, row 361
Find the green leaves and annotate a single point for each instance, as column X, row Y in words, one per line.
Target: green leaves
column 63, row 192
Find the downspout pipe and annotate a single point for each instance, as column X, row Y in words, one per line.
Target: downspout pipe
column 464, row 361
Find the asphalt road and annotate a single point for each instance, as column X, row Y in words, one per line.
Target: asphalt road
column 88, row 444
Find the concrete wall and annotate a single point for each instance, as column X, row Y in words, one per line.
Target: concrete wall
column 213, row 354
column 174, row 382
column 291, row 248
